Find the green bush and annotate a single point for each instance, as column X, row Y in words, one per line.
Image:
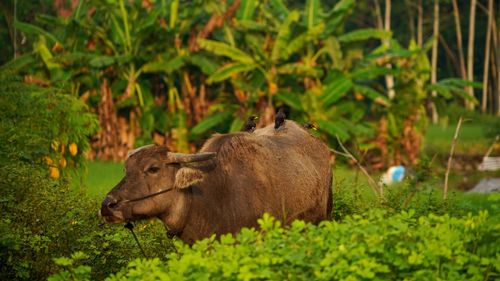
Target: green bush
column 374, row 246
column 42, row 218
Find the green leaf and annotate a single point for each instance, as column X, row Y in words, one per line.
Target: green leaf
column 228, row 70
column 343, row 5
column 174, row 7
column 300, row 69
column 337, row 15
column 290, row 99
column 440, row 89
column 283, row 36
column 47, row 57
column 236, row 125
column 335, row 90
column 251, row 25
column 149, row 21
column 372, row 72
column 101, row 61
column 460, row 83
column 298, row 42
column 332, row 48
column 63, row 261
column 210, row 122
column 279, row 8
column 312, row 13
column 364, row 34
column 246, row 9
column 333, row 129
column 206, row 65
column 255, row 43
column 223, row 49
column 373, row 95
column 18, row 63
column 164, row 66
column 32, row 29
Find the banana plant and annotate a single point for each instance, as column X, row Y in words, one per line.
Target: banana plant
column 304, row 60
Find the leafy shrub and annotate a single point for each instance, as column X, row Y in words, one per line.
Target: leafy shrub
column 43, row 125
column 42, row 218
column 373, row 246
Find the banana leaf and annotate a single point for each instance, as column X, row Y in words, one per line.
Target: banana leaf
column 229, row 70
column 373, row 95
column 101, row 61
column 210, row 122
column 236, row 125
column 312, row 13
column 164, row 66
column 333, row 129
column 300, row 69
column 279, row 8
column 250, row 25
column 32, row 29
column 283, row 36
column 174, row 8
column 246, row 9
column 335, row 90
column 206, row 65
column 298, row 42
column 364, row 34
column 290, row 99
column 18, row 63
column 337, row 15
column 372, row 72
column 223, row 49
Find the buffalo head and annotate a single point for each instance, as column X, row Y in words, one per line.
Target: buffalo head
column 154, row 185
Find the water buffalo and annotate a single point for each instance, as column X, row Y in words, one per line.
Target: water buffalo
column 229, row 184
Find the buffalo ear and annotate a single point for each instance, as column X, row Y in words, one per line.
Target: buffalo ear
column 186, row 177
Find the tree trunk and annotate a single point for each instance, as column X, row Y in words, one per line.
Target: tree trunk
column 496, row 45
column 449, row 53
column 487, row 57
column 411, row 19
column 470, row 51
column 456, row 15
column 434, row 58
column 420, row 24
column 495, row 92
column 495, row 66
column 389, row 79
column 378, row 15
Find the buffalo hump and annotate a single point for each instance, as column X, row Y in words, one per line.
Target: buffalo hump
column 286, row 174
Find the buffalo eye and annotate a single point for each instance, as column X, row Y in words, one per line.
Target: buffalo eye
column 153, row 170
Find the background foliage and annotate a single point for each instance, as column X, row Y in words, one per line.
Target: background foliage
column 172, row 72
column 93, row 79
column 42, row 217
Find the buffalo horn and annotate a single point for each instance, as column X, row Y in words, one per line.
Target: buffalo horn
column 188, row 158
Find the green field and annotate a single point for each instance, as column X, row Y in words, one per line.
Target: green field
column 99, row 177
column 473, row 138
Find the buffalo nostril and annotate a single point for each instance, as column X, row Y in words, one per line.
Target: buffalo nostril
column 109, row 203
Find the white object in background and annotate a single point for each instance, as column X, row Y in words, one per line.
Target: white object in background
column 487, row 186
column 489, row 164
column 393, row 174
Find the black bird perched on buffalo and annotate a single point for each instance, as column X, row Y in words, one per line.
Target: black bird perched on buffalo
column 309, row 126
column 250, row 124
column 280, row 118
